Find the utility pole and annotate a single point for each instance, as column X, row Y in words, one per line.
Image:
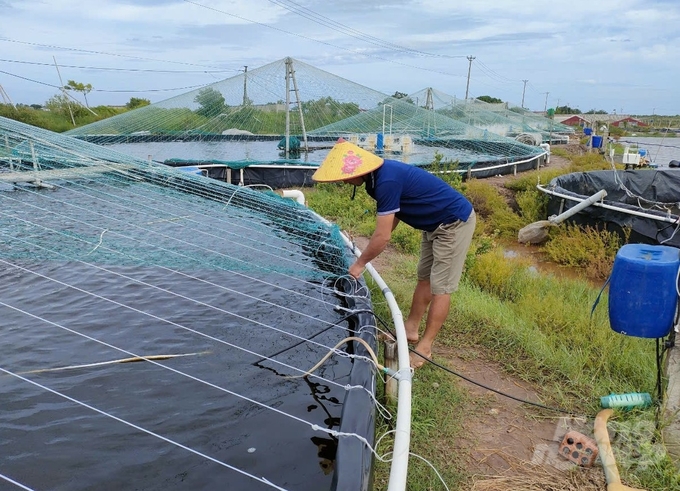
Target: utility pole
column 545, row 109
column 467, row 88
column 245, row 84
column 523, row 91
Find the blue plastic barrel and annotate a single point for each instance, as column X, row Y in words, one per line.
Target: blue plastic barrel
column 642, row 291
column 380, row 143
column 587, row 131
column 597, row 141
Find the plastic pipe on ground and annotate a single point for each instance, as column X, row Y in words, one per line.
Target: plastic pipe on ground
column 575, row 209
column 611, row 472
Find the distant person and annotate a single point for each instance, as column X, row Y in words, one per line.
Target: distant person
column 425, row 202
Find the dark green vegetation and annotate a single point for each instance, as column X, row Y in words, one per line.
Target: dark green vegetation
column 536, row 326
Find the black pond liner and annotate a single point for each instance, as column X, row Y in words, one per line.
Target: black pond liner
column 660, row 185
column 276, row 176
column 52, row 287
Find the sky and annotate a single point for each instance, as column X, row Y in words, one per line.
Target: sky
column 620, row 56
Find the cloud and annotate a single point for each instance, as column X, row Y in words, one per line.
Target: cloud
column 405, row 45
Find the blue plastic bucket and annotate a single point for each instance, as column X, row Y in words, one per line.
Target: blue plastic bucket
column 597, row 141
column 642, row 291
column 587, row 131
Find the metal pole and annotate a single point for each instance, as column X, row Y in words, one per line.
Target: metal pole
column 545, row 108
column 245, row 84
column 523, row 91
column 299, row 105
column 61, row 87
column 470, row 58
column 287, row 135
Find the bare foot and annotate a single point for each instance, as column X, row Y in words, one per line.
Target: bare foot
column 417, row 360
column 412, row 335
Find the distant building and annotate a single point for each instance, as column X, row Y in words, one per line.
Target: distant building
column 629, row 121
column 592, row 120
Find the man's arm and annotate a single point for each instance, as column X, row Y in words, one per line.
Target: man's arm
column 384, row 224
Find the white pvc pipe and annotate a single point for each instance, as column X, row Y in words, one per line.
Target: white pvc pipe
column 402, row 433
column 669, row 219
column 296, row 194
column 499, row 166
column 576, row 208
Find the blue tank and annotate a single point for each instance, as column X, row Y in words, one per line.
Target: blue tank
column 642, row 291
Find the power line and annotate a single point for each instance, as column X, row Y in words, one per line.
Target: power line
column 78, row 50
column 350, row 31
column 105, row 90
column 318, row 41
column 493, row 74
column 149, row 70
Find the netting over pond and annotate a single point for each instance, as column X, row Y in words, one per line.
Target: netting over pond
column 401, row 124
column 221, row 293
column 289, row 112
column 503, row 119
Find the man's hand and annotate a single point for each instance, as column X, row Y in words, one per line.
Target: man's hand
column 381, row 236
column 356, row 270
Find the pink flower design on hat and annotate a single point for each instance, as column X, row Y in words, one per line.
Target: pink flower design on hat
column 351, row 161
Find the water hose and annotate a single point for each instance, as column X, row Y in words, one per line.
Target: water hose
column 611, row 472
column 111, row 362
column 388, row 371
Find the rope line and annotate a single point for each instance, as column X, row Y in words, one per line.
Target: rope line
column 195, row 246
column 164, row 290
column 18, row 484
column 175, row 324
column 183, row 374
column 144, row 430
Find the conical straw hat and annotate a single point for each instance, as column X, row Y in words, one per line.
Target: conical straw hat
column 345, row 161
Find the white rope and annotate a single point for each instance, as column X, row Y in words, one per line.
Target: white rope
column 175, row 324
column 385, row 458
column 197, row 247
column 18, row 484
column 101, row 238
column 212, row 338
column 314, row 426
column 114, row 251
column 658, row 204
column 144, row 430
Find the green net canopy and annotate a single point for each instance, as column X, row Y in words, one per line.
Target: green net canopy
column 289, row 111
column 399, row 126
column 153, row 315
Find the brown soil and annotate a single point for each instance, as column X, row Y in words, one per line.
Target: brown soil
column 509, row 446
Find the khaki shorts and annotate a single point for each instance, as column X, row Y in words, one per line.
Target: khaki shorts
column 442, row 254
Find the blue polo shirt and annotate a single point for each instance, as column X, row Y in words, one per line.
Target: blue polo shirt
column 417, row 198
